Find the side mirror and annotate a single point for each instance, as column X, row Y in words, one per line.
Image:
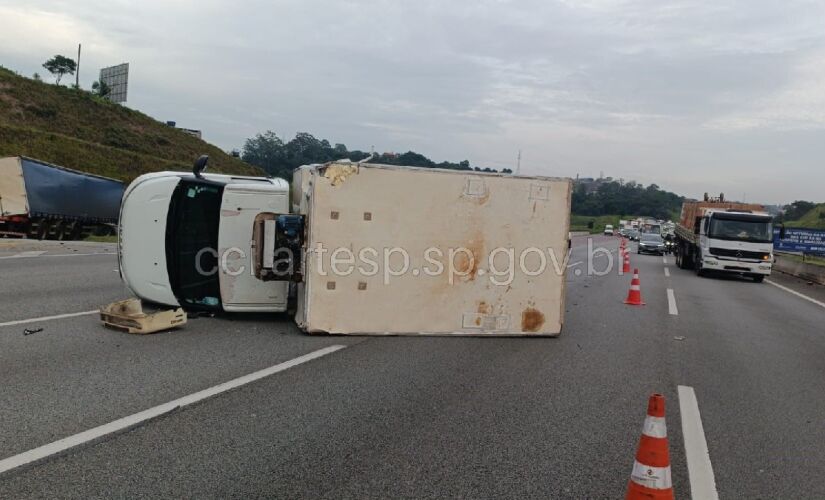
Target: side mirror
column 200, row 166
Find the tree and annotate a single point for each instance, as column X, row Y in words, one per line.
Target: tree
column 101, row 89
column 59, row 66
column 36, row 77
column 798, row 209
column 266, row 151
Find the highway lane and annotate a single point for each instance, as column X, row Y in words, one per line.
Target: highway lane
column 557, row 418
column 755, row 354
column 43, row 280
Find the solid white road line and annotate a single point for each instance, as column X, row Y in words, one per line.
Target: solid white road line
column 132, row 420
column 667, row 272
column 800, row 295
column 48, row 318
column 671, row 302
column 700, row 470
column 23, row 255
column 44, row 254
column 78, row 254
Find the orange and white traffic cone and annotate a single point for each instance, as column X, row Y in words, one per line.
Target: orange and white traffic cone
column 634, row 295
column 650, row 479
column 626, row 265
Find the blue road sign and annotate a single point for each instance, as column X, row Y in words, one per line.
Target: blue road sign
column 800, row 240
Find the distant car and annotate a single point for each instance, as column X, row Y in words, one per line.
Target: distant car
column 608, row 230
column 623, row 232
column 651, row 243
column 633, row 235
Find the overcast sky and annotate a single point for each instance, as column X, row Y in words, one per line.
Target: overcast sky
column 694, row 96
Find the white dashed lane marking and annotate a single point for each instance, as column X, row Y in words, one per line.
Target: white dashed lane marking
column 671, row 302
column 700, row 470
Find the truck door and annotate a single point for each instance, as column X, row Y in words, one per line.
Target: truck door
column 241, row 289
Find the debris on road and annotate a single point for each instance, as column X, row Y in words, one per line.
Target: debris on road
column 31, row 331
column 128, row 315
column 679, row 337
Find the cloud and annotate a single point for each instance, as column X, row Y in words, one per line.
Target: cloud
column 661, row 92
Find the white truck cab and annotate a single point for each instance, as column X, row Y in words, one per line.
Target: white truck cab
column 728, row 241
column 188, row 239
column 740, row 242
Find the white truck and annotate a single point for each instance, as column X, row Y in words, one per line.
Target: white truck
column 715, row 235
column 358, row 248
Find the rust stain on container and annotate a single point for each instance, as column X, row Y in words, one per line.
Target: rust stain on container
column 230, row 213
column 485, row 308
column 531, row 320
column 464, row 264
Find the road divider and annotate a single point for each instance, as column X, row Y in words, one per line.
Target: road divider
column 700, row 470
column 124, row 423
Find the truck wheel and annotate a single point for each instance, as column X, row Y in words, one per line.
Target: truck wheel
column 697, row 263
column 43, row 229
column 758, row 278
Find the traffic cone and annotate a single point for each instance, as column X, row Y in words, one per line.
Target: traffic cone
column 650, row 479
column 634, row 295
column 626, row 265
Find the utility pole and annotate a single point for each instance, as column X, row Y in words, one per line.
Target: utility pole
column 518, row 162
column 77, row 69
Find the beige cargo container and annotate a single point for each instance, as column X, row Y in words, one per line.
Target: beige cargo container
column 376, row 235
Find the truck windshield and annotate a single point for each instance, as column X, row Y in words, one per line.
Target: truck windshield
column 192, row 243
column 741, row 228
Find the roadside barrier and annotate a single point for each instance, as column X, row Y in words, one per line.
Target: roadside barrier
column 650, row 478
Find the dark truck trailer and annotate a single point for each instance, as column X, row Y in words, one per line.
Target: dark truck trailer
column 45, row 201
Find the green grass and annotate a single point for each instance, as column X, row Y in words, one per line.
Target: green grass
column 101, row 239
column 78, row 130
column 814, row 219
column 808, row 259
column 579, row 222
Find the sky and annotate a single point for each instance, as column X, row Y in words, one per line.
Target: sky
column 716, row 96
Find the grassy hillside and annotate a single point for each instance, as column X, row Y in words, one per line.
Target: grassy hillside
column 78, row 130
column 814, row 219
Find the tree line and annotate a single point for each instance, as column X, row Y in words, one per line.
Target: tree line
column 279, row 158
column 625, row 198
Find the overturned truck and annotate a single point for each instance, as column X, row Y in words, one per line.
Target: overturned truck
column 356, row 248
column 44, row 201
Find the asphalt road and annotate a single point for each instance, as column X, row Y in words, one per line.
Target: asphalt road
column 413, row 417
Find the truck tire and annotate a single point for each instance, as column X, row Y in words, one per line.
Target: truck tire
column 697, row 266
column 758, row 278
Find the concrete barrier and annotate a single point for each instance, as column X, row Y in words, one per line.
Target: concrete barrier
column 810, row 272
column 579, row 233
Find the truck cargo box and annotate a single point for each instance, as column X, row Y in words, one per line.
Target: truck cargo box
column 37, row 189
column 693, row 210
column 469, row 222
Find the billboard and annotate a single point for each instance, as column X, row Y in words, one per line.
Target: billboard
column 117, row 79
column 800, row 240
